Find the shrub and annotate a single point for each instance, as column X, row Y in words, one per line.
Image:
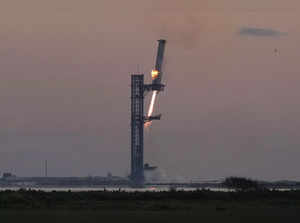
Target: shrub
column 241, row 183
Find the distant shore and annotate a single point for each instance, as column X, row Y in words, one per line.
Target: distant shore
column 95, row 183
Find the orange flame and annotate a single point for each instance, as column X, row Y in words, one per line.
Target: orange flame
column 154, row 74
column 148, row 124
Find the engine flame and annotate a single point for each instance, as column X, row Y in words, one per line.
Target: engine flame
column 154, row 74
column 151, row 107
column 147, row 124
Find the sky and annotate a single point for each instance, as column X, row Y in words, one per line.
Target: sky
column 230, row 107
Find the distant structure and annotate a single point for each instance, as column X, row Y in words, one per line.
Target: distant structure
column 147, row 167
column 137, row 128
column 8, row 175
column 138, row 119
column 151, row 174
column 46, row 168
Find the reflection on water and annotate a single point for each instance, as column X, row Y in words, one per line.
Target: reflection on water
column 125, row 189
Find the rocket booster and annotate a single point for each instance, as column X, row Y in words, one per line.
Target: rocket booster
column 156, row 85
column 157, row 73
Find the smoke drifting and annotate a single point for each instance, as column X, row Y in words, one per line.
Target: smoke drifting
column 260, row 32
column 179, row 22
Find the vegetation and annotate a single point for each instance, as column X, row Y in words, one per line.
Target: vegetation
column 176, row 206
column 241, row 183
column 171, row 200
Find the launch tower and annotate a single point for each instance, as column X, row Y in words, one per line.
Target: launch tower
column 137, row 128
column 138, row 119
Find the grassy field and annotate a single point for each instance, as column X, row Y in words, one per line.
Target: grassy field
column 202, row 215
column 200, row 206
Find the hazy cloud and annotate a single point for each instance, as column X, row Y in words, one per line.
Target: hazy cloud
column 260, row 32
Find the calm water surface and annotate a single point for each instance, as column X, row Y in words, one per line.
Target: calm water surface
column 126, row 189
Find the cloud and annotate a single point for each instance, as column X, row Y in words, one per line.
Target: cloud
column 260, row 32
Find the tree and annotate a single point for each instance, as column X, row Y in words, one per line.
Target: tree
column 241, row 183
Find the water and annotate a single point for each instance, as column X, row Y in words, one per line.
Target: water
column 125, row 189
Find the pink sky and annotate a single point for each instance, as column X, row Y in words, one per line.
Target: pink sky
column 230, row 106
